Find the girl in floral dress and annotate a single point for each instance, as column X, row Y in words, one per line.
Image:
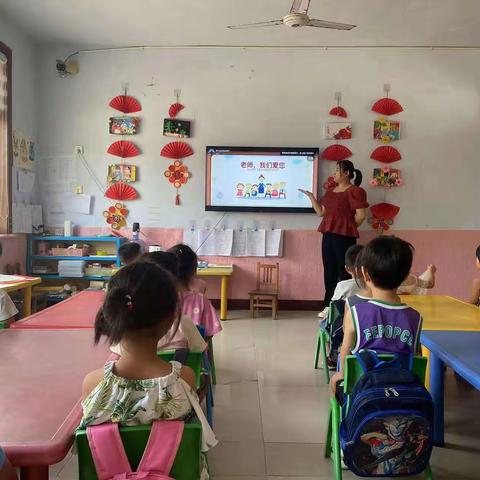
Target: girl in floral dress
column 140, row 307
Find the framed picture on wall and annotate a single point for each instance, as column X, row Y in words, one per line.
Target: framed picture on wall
column 124, row 125
column 338, row 130
column 176, row 128
column 386, row 130
column 121, row 172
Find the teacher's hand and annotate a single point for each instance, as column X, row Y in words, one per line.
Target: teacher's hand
column 306, row 192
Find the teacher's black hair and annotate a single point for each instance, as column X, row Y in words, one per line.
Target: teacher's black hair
column 140, row 297
column 346, row 166
column 388, row 261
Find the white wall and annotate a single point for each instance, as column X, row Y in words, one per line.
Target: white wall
column 24, row 88
column 275, row 98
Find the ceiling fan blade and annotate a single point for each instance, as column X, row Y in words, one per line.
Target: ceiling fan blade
column 333, row 25
column 255, row 25
column 300, row 6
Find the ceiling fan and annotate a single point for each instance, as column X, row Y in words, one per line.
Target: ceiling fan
column 297, row 18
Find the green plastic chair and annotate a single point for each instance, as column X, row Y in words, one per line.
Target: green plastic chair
column 353, row 371
column 194, row 361
column 323, row 338
column 187, row 464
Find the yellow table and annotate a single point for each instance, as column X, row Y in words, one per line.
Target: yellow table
column 224, row 272
column 442, row 312
column 13, row 283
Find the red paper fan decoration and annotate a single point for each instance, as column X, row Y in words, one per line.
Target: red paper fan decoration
column 336, row 153
column 176, row 150
column 121, row 191
column 174, row 109
column 338, row 112
column 383, row 215
column 387, row 106
column 386, row 154
column 123, row 149
column 125, row 104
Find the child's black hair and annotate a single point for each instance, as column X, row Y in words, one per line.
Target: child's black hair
column 351, row 256
column 187, row 263
column 129, row 252
column 388, row 261
column 167, row 260
column 140, row 296
column 477, row 253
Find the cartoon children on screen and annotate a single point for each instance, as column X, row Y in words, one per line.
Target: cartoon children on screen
column 262, row 190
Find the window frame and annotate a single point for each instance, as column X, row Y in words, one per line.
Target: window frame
column 7, row 51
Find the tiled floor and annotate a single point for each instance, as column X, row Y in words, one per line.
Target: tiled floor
column 270, row 408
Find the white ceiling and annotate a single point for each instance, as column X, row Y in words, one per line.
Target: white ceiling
column 100, row 23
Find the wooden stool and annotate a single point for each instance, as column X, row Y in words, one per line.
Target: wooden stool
column 268, row 288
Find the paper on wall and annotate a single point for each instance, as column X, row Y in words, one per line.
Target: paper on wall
column 256, row 243
column 274, row 243
column 223, row 240
column 21, row 218
column 37, row 219
column 206, row 242
column 190, row 238
column 26, row 180
column 79, row 203
column 239, row 247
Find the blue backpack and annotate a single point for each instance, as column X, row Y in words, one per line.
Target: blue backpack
column 387, row 430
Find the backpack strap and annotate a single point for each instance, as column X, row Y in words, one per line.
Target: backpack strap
column 369, row 360
column 107, row 451
column 162, row 446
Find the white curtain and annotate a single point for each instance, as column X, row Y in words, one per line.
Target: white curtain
column 4, row 183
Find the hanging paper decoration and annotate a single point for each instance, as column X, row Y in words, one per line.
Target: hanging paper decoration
column 338, row 131
column 125, row 104
column 121, row 172
column 115, row 216
column 174, row 109
column 177, row 175
column 386, row 130
column 386, row 154
column 123, row 149
column 338, row 112
column 176, row 150
column 121, row 191
column 336, row 153
column 124, row 125
column 386, row 177
column 382, row 216
column 387, row 106
column 330, row 184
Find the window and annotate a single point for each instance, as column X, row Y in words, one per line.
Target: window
column 5, row 136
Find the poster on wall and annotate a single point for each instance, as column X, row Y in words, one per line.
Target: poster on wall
column 23, row 151
column 386, row 130
column 124, row 125
column 338, row 131
column 121, row 172
column 176, row 128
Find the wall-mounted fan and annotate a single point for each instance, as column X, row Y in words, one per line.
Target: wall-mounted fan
column 297, row 18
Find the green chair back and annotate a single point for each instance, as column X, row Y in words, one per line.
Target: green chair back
column 353, row 370
column 187, row 464
column 194, row 361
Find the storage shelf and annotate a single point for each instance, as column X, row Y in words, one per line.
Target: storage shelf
column 86, row 277
column 75, row 239
column 113, row 258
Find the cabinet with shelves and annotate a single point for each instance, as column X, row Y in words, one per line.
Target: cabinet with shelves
column 41, row 264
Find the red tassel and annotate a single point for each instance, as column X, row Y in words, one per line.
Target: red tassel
column 177, row 200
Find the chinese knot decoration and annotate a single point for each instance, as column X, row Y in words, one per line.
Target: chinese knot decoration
column 115, row 216
column 178, row 175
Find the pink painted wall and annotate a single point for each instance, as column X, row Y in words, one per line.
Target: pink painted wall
column 453, row 251
column 14, row 250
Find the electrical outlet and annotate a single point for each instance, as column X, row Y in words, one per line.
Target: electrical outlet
column 78, row 150
column 79, row 189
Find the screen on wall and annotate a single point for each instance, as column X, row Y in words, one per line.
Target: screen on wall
column 265, row 179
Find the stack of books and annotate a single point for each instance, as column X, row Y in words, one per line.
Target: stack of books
column 71, row 268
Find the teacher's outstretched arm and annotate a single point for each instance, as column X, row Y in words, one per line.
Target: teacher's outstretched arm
column 360, row 215
column 319, row 209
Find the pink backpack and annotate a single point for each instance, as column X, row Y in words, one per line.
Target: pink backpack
column 111, row 461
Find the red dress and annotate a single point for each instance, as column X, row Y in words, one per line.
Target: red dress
column 340, row 209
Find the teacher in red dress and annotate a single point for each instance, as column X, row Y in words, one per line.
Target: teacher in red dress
column 342, row 210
